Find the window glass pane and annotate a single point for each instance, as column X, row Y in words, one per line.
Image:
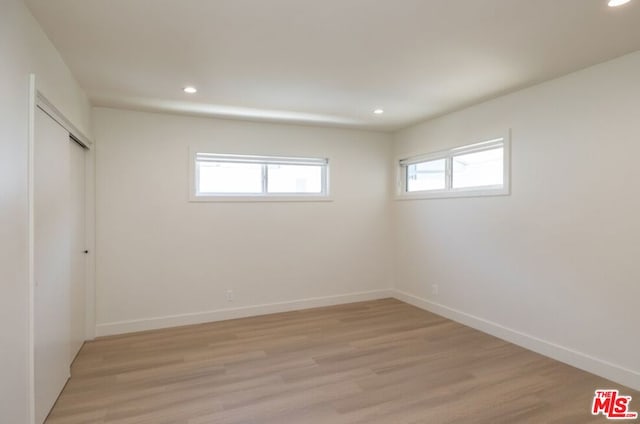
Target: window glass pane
column 478, row 169
column 235, row 178
column 294, row 179
column 424, row 176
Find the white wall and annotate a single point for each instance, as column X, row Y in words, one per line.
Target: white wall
column 558, row 259
column 165, row 261
column 23, row 49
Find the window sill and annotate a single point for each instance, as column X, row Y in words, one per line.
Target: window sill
column 259, row 199
column 454, row 194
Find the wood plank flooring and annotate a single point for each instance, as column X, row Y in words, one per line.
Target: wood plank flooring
column 372, row 362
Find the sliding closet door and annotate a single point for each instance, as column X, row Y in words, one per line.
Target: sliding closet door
column 52, row 262
column 78, row 246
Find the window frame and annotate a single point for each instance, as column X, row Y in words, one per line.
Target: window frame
column 449, row 191
column 264, row 161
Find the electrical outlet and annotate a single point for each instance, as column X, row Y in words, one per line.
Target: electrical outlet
column 229, row 295
column 435, row 289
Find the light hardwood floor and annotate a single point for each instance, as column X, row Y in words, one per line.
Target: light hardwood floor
column 372, row 362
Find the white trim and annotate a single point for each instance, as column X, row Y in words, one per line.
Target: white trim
column 478, row 147
column 47, row 107
column 122, row 327
column 275, row 160
column 452, row 194
column 262, row 198
column 423, row 157
column 613, row 372
column 31, row 384
column 90, row 243
column 460, row 150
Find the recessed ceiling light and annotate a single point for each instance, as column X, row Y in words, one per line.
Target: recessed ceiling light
column 190, row 90
column 378, row 111
column 616, row 3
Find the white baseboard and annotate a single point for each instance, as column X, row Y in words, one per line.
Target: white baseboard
column 613, row 372
column 122, row 327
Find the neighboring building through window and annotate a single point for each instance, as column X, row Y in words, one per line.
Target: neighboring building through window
column 241, row 176
column 480, row 169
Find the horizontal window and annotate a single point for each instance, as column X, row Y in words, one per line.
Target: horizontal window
column 478, row 169
column 473, row 170
column 217, row 175
column 428, row 175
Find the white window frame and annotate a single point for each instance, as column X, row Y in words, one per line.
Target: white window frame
column 264, row 196
column 448, row 155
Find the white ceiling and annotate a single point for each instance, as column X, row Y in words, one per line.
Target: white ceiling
column 330, row 61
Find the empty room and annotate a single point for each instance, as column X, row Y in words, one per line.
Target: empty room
column 339, row 211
